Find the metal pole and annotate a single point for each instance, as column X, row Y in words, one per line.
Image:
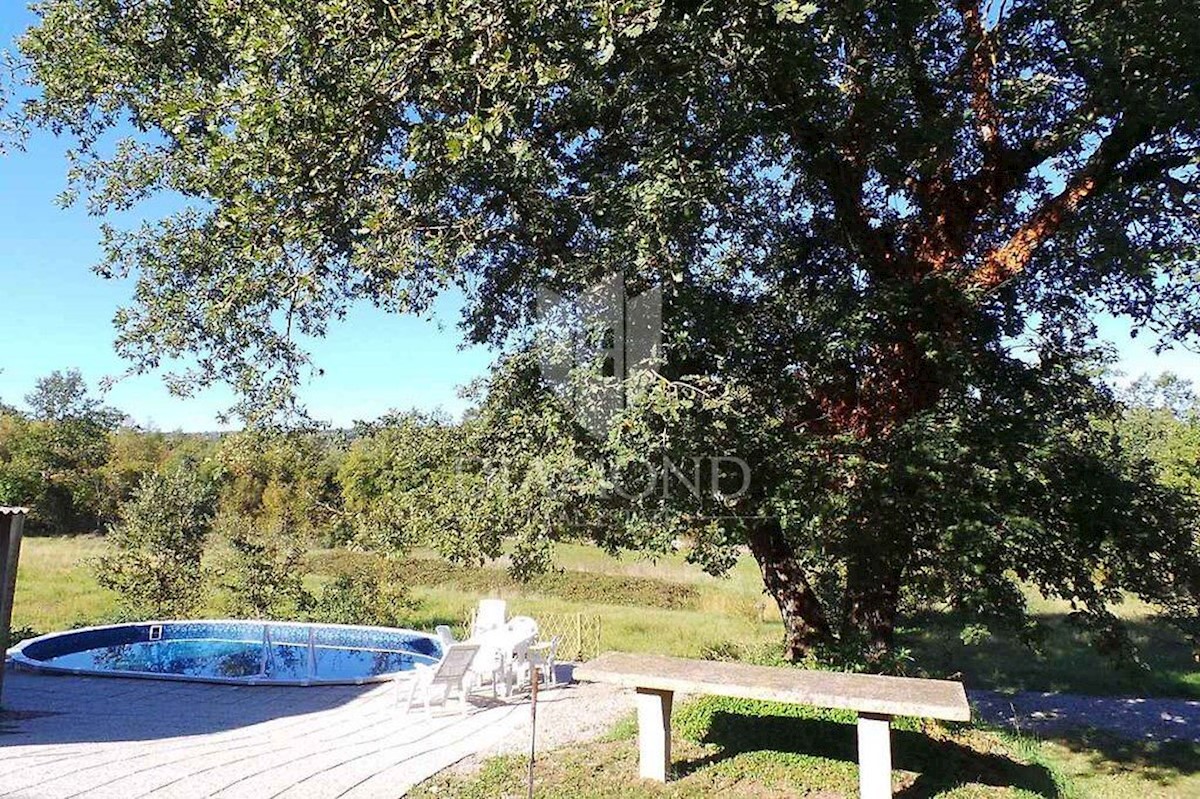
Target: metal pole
column 312, row 655
column 11, row 522
column 266, row 649
column 533, row 727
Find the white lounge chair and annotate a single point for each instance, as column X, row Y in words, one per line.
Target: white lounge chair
column 491, row 665
column 437, row 682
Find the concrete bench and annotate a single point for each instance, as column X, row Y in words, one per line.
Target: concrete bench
column 876, row 699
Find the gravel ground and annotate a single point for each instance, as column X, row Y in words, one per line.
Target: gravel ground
column 567, row 713
column 1127, row 717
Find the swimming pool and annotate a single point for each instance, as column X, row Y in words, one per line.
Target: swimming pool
column 231, row 651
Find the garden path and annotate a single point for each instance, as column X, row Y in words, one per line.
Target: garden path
column 1135, row 718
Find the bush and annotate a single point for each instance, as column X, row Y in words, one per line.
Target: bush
column 18, row 635
column 154, row 553
column 264, row 572
column 375, row 594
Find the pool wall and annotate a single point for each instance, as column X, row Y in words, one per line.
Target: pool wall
column 31, row 654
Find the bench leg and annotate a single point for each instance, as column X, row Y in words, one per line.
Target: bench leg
column 874, row 756
column 654, row 733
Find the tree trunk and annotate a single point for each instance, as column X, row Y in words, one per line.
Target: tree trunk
column 804, row 620
column 872, row 602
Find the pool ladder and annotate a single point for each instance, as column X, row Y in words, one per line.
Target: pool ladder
column 268, row 652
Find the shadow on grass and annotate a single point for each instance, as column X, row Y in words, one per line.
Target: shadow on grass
column 940, row 765
column 1064, row 659
column 1160, row 761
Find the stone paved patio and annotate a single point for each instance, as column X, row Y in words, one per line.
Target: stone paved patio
column 104, row 738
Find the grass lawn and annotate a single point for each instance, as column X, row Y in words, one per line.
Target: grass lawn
column 727, row 747
column 55, row 589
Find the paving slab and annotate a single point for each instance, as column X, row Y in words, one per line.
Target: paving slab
column 67, row 737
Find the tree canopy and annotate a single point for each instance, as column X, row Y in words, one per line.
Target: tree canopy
column 64, row 396
column 882, row 232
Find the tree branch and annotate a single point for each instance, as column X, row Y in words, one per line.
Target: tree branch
column 982, row 56
column 844, row 169
column 1010, row 258
column 838, row 162
column 1157, row 166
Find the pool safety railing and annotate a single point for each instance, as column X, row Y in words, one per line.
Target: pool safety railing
column 312, row 653
column 267, row 662
column 268, row 652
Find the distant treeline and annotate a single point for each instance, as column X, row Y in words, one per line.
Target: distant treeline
column 74, row 461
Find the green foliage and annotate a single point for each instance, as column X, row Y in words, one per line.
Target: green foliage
column 396, row 478
column 64, row 396
column 280, row 480
column 882, row 233
column 377, row 595
column 1161, row 424
column 695, row 148
column 53, row 461
column 465, row 490
column 264, row 573
column 153, row 557
column 1024, row 481
column 17, row 635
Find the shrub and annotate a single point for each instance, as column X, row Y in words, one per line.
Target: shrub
column 154, row 552
column 264, row 573
column 18, row 635
column 375, row 594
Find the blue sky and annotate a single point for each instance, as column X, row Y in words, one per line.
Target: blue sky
column 57, row 314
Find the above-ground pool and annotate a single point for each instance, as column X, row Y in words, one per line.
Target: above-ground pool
column 229, row 651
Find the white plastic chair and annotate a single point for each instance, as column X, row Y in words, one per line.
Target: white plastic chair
column 503, row 657
column 437, row 682
column 490, row 666
column 445, row 635
column 523, row 627
column 519, row 668
column 542, row 658
column 490, row 614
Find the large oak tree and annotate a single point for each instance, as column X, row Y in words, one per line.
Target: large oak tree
column 883, row 232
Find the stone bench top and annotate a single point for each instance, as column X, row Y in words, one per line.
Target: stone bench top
column 865, row 693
